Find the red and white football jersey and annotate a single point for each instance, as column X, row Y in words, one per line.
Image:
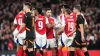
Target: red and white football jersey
column 73, row 15
column 49, row 31
column 62, row 18
column 19, row 19
column 40, row 25
column 69, row 25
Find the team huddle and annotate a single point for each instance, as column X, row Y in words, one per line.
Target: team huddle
column 36, row 32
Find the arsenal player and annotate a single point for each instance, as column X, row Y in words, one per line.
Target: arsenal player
column 50, row 32
column 61, row 19
column 29, row 25
column 40, row 29
column 18, row 21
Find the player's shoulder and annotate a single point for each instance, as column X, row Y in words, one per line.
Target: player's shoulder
column 72, row 14
column 20, row 14
column 28, row 14
column 41, row 17
column 80, row 16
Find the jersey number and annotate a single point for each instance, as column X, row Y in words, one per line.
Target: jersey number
column 40, row 25
column 20, row 21
column 70, row 26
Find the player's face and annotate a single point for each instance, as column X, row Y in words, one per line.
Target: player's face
column 33, row 12
column 48, row 13
column 24, row 7
column 36, row 12
column 74, row 10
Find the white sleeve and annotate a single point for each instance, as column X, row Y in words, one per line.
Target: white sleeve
column 63, row 23
column 84, row 19
column 46, row 20
column 85, row 22
column 15, row 21
column 55, row 21
column 58, row 18
column 57, row 24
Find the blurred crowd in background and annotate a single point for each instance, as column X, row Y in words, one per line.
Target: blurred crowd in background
column 90, row 9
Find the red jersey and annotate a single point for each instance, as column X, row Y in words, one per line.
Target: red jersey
column 49, row 31
column 62, row 17
column 69, row 25
column 19, row 19
column 40, row 25
column 73, row 15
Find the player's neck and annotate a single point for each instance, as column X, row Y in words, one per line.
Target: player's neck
column 78, row 13
column 48, row 16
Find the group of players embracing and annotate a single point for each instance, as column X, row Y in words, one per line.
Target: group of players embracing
column 36, row 32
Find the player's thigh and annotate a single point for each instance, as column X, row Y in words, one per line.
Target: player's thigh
column 23, row 34
column 20, row 40
column 77, row 42
column 15, row 31
column 84, row 49
column 69, row 41
column 48, row 43
column 60, row 43
column 16, row 40
column 38, row 42
column 44, row 42
column 30, row 43
column 53, row 43
column 64, row 38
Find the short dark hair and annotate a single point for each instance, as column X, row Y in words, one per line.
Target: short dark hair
column 28, row 4
column 77, row 7
column 48, row 9
column 39, row 10
column 20, row 7
column 68, row 10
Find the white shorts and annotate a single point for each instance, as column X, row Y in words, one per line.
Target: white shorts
column 60, row 43
column 51, row 43
column 66, row 41
column 20, row 37
column 40, row 41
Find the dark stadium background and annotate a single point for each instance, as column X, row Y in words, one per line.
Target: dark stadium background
column 9, row 9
